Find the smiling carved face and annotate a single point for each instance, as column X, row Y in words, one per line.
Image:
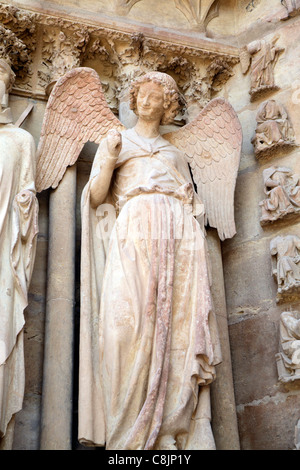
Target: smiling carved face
column 150, row 101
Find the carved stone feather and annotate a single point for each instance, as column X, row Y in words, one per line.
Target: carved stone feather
column 211, row 144
column 76, row 112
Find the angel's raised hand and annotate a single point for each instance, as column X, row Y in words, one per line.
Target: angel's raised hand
column 114, row 143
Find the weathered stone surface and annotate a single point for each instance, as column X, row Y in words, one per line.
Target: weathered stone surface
column 256, row 291
column 288, row 357
column 269, row 424
column 255, row 339
column 27, row 426
column 224, row 423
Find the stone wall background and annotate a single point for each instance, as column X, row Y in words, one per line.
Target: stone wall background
column 267, row 410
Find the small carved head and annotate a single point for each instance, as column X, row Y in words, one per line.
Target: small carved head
column 6, row 70
column 173, row 101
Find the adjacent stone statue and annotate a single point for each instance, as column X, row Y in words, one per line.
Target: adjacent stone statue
column 261, row 57
column 148, row 336
column 273, row 128
column 288, row 359
column 18, row 231
column 283, row 194
column 285, row 251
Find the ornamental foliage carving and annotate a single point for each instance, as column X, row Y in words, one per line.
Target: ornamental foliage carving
column 116, row 56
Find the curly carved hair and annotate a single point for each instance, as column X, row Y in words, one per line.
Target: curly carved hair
column 173, row 101
column 5, row 63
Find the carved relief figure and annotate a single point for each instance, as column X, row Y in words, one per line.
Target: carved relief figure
column 288, row 359
column 283, row 194
column 285, row 260
column 262, row 56
column 146, row 308
column 273, row 128
column 18, row 230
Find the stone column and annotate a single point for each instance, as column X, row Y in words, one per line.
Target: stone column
column 63, row 52
column 224, row 419
column 56, row 426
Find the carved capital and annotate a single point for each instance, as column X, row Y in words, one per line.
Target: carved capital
column 12, row 49
column 56, row 45
column 61, row 52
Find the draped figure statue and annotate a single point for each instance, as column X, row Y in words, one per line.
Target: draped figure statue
column 288, row 358
column 273, row 127
column 148, row 334
column 18, row 231
column 261, row 57
column 285, row 262
column 282, row 189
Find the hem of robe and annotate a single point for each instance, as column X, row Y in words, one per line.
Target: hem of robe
column 17, row 350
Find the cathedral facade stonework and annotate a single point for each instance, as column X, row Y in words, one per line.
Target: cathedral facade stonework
column 242, row 53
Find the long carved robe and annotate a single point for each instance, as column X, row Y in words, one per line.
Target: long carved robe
column 276, row 180
column 148, row 332
column 18, row 230
column 287, row 251
column 264, row 56
column 290, row 340
column 273, row 124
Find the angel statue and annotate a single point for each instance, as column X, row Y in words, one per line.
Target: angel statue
column 148, row 334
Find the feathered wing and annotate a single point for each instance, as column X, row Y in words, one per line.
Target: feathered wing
column 76, row 112
column 212, row 146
